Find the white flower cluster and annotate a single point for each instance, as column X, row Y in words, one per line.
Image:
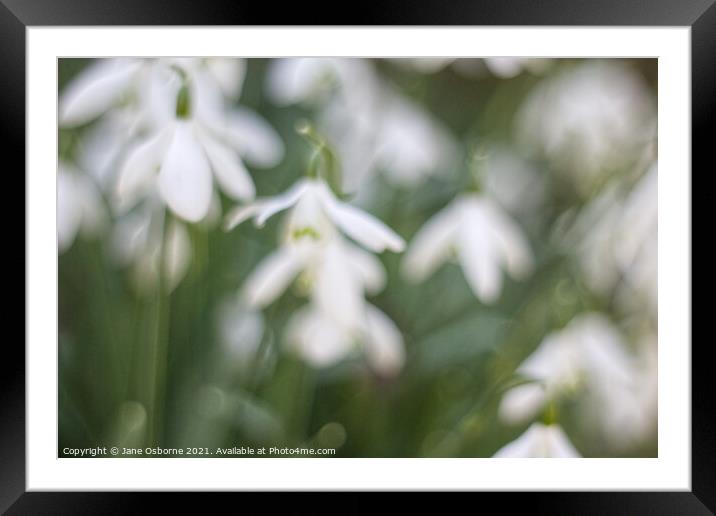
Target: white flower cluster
column 163, row 132
column 162, row 138
column 335, row 273
column 586, row 122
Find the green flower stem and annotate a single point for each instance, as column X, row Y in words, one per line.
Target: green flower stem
column 159, row 350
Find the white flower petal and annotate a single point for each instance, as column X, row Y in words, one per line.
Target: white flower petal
column 281, row 202
column 522, row 403
column 359, row 225
column 272, row 277
column 95, row 90
column 559, row 445
column 239, row 214
column 102, row 146
column 511, row 242
column 522, row 447
column 431, row 245
column 478, row 259
column 137, row 174
column 177, row 254
column 293, row 80
column 230, row 173
column 368, row 267
column 207, row 100
column 384, row 346
column 254, row 138
column 540, row 441
column 185, row 176
column 318, row 339
column 229, row 73
column 338, row 291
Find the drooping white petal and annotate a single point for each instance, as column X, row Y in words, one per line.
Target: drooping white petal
column 229, row 73
column 478, row 259
column 410, row 143
column 157, row 90
column 69, row 210
column 522, row 403
column 94, row 91
column 338, row 291
column 230, row 173
column 137, row 174
column 359, row 225
column 294, row 80
column 384, row 345
column 281, row 202
column 368, row 267
column 239, row 214
column 272, row 277
column 318, row 339
column 511, row 242
column 431, row 245
column 254, row 138
column 177, row 254
column 207, row 100
column 185, row 176
column 559, row 445
column 102, row 146
column 544, row 441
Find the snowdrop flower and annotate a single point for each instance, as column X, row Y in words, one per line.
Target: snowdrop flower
column 337, row 274
column 540, row 441
column 615, row 238
column 80, row 208
column 480, row 235
column 291, row 81
column 410, row 144
column 313, row 199
column 176, row 112
column 323, row 341
column 375, row 128
column 109, row 83
column 588, row 119
column 180, row 158
column 587, row 358
column 315, row 79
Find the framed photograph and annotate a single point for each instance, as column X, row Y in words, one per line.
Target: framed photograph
column 392, row 257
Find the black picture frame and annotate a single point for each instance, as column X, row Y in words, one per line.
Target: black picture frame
column 17, row 15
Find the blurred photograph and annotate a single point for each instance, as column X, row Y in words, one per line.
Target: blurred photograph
column 351, row 257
